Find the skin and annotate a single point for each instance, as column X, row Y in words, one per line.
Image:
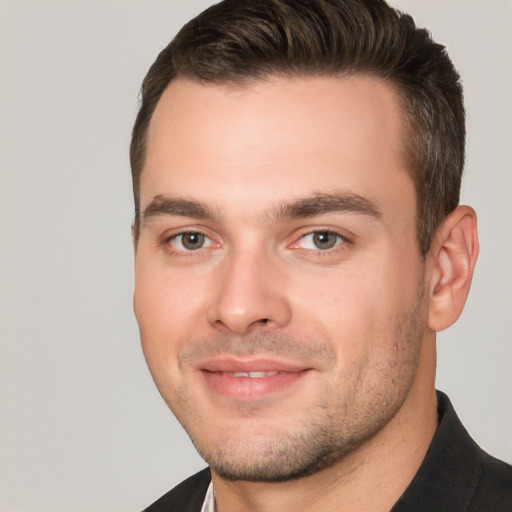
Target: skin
column 278, row 235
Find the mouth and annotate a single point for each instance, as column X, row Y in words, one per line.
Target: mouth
column 248, row 380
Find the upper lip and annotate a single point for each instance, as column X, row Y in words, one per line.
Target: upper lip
column 258, row 364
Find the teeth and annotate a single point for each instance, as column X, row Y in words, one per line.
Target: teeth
column 252, row 375
column 259, row 375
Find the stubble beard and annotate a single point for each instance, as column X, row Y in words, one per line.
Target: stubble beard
column 335, row 427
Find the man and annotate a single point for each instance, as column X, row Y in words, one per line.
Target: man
column 299, row 242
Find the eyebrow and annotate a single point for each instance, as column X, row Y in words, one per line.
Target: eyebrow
column 310, row 206
column 320, row 203
column 161, row 205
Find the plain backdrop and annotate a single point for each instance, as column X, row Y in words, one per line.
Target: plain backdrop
column 82, row 427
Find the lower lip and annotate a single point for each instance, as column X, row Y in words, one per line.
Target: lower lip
column 250, row 388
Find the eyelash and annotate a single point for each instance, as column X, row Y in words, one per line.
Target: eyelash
column 340, row 243
column 167, row 242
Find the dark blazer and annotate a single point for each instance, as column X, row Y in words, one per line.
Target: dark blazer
column 455, row 476
column 186, row 497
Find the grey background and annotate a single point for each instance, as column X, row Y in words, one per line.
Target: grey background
column 82, row 427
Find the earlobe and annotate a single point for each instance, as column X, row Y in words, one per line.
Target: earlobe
column 452, row 257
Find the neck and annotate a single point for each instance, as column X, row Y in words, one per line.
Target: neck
column 371, row 478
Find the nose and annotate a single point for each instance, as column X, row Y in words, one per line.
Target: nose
column 250, row 294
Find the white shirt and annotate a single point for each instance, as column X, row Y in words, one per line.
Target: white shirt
column 209, row 500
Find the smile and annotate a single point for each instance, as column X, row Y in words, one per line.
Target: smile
column 250, row 380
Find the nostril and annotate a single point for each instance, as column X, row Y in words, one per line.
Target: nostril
column 264, row 320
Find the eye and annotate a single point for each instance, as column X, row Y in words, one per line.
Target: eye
column 320, row 240
column 190, row 241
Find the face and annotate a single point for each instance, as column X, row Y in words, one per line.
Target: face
column 279, row 287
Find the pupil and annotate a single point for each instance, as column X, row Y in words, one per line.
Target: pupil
column 193, row 240
column 324, row 239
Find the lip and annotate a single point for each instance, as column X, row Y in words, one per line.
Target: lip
column 250, row 379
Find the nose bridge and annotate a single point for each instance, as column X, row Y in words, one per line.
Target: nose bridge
column 249, row 293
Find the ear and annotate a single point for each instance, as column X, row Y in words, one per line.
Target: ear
column 452, row 258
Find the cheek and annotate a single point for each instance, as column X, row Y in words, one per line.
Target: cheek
column 342, row 300
column 166, row 310
column 358, row 309
column 163, row 300
column 344, row 310
column 157, row 316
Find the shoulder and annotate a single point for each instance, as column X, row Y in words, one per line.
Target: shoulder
column 494, row 488
column 188, row 496
column 487, row 480
column 456, row 474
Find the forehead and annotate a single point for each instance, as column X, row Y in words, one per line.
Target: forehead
column 288, row 135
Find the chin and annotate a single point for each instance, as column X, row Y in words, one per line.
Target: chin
column 277, row 456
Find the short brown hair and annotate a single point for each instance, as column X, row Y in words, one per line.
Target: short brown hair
column 237, row 41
